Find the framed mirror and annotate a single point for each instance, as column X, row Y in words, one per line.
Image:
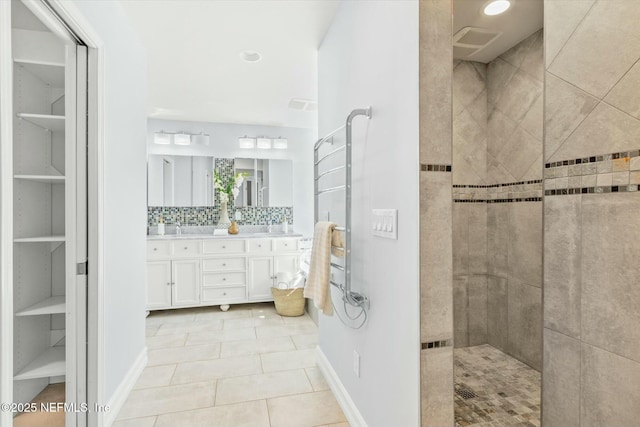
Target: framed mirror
column 180, row 180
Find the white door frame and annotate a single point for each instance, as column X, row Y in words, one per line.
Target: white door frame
column 76, row 21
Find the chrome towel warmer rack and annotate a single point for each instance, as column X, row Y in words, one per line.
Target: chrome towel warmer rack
column 348, row 296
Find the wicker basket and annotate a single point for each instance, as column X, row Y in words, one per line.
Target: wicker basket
column 289, row 302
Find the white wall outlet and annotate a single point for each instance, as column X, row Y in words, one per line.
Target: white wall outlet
column 356, row 363
column 384, row 223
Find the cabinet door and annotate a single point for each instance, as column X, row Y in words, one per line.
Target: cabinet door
column 260, row 278
column 186, row 282
column 158, row 284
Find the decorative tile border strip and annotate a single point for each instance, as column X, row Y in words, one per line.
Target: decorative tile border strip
column 510, row 192
column 607, row 173
column 436, row 344
column 424, row 167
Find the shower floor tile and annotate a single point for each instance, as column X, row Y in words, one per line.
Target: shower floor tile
column 493, row 389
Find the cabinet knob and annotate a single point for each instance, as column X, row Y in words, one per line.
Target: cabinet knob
column 224, row 247
column 286, row 244
column 186, row 247
column 168, row 283
column 224, row 264
column 259, row 246
column 155, row 249
column 224, row 279
column 224, row 294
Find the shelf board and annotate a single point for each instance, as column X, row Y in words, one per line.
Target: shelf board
column 49, row 364
column 45, row 121
column 49, row 72
column 41, row 239
column 47, row 179
column 53, row 305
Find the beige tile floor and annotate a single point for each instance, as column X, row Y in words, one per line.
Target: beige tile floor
column 247, row 367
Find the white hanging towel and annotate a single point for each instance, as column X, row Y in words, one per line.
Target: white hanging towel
column 317, row 287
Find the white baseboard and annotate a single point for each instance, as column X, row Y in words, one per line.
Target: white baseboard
column 339, row 391
column 118, row 398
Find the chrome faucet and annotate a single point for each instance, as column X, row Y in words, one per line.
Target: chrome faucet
column 178, row 228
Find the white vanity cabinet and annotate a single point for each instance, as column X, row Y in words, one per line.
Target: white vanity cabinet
column 210, row 271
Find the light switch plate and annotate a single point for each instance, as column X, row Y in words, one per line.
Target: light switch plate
column 384, row 223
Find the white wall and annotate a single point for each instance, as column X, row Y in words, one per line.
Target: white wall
column 370, row 57
column 224, row 144
column 124, row 216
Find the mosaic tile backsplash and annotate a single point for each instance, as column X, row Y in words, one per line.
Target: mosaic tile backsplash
column 209, row 215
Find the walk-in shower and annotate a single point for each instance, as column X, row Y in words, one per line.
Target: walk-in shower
column 497, row 215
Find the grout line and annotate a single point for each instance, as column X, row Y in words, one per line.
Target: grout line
column 568, row 38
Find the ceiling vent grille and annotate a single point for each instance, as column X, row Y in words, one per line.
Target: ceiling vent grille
column 470, row 40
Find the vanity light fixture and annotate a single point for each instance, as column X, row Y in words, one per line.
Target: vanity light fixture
column 496, row 7
column 247, row 142
column 280, row 143
column 162, row 138
column 263, row 143
column 200, row 139
column 182, row 138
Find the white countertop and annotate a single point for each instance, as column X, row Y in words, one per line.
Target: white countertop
column 241, row 235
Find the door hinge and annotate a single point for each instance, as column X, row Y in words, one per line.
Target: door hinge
column 82, row 268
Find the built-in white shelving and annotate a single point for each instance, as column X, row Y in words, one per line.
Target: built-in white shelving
column 45, row 121
column 47, row 179
column 52, row 305
column 49, row 72
column 48, row 364
column 40, row 239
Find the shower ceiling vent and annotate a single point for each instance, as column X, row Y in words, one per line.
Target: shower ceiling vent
column 470, row 40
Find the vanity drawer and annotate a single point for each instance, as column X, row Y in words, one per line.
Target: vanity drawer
column 224, row 264
column 186, row 247
column 223, row 246
column 157, row 249
column 223, row 295
column 259, row 245
column 224, row 279
column 286, row 245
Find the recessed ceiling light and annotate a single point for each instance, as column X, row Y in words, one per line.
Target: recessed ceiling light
column 496, row 7
column 250, row 56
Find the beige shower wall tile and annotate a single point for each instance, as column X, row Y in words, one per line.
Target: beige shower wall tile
column 519, row 153
column 561, row 18
column 499, row 130
column 461, row 238
column 561, row 380
column 437, row 387
column 610, row 271
column 436, row 259
column 460, row 312
column 533, row 63
column 610, row 392
column 525, row 323
column 468, row 83
column 603, row 47
column 565, row 108
column 478, row 110
column 533, row 121
column 562, row 264
column 525, row 242
column 477, row 238
column 519, row 95
column 499, row 73
column 497, row 320
column 436, row 76
column 605, row 130
column 626, row 94
column 498, row 239
column 477, row 310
